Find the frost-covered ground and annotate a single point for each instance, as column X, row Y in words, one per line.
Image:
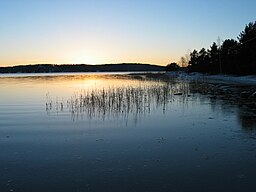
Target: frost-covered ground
column 227, row 79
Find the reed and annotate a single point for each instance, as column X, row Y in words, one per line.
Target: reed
column 121, row 101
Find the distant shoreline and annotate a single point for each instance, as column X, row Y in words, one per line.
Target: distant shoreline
column 65, row 68
column 53, row 74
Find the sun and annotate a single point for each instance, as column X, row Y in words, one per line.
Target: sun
column 87, row 59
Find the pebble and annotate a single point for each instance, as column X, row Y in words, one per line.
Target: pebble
column 177, row 94
column 245, row 94
column 253, row 95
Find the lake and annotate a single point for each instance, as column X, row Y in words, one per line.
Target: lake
column 121, row 132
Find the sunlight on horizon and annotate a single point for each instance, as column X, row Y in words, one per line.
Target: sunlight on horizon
column 86, row 59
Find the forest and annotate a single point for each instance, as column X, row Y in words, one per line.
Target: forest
column 237, row 57
column 231, row 57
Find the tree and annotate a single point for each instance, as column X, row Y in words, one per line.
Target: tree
column 249, row 33
column 232, row 57
column 172, row 67
column 229, row 55
column 193, row 62
column 183, row 62
column 203, row 61
column 247, row 39
column 193, row 58
column 214, row 65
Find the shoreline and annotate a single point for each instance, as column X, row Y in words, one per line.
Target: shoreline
column 220, row 78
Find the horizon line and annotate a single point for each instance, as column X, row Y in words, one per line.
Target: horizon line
column 33, row 64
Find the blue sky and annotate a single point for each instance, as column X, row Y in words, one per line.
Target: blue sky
column 114, row 31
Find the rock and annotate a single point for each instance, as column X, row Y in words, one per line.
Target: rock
column 250, row 105
column 253, row 95
column 245, row 94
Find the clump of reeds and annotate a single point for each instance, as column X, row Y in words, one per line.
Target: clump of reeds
column 122, row 101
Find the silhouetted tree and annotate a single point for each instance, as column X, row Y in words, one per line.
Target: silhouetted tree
column 230, row 57
column 247, row 39
column 172, row 67
column 214, row 65
column 248, row 34
column 193, row 59
column 203, row 61
column 183, row 62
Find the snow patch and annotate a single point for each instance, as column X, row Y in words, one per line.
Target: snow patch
column 226, row 79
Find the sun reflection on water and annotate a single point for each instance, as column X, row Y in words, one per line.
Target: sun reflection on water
column 120, row 97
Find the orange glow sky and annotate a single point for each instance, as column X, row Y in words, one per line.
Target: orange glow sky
column 111, row 31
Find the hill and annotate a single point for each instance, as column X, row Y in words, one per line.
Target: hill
column 52, row 68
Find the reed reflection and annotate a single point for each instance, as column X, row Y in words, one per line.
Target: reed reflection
column 121, row 101
column 133, row 97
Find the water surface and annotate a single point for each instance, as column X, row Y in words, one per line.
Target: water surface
column 110, row 132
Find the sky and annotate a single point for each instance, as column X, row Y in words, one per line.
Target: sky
column 115, row 31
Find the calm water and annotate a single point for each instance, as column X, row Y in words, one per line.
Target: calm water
column 121, row 133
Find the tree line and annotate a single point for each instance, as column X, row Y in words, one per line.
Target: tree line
column 53, row 68
column 229, row 57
